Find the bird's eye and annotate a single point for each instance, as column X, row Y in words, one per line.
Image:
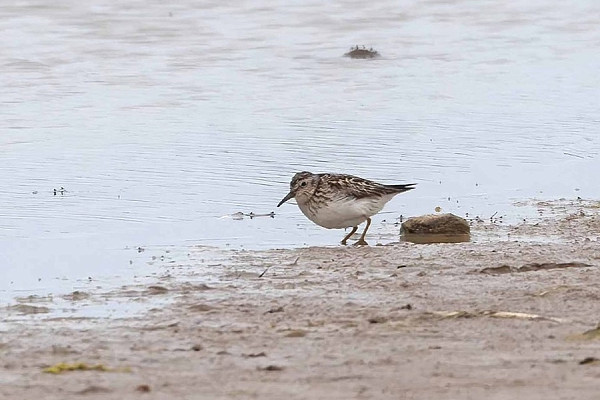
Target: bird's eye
column 303, row 184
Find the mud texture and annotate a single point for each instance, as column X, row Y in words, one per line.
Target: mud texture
column 512, row 315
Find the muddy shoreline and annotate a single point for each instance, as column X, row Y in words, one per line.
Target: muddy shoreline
column 467, row 320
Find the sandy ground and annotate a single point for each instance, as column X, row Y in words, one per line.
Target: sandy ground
column 403, row 321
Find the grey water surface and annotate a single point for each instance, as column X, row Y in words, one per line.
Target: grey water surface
column 161, row 119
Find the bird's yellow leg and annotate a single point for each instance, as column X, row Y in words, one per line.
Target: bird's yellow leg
column 361, row 241
column 354, row 229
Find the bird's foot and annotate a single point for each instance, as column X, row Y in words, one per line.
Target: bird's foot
column 344, row 242
column 361, row 242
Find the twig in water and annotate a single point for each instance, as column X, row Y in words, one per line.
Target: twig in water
column 492, row 217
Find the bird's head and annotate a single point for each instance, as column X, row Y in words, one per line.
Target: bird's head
column 302, row 187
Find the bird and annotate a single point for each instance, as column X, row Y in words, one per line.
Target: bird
column 337, row 201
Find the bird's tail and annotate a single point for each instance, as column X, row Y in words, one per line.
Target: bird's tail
column 401, row 188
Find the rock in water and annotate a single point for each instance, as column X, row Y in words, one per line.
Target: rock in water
column 436, row 228
column 357, row 52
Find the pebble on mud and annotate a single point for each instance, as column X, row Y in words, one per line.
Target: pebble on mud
column 271, row 368
column 143, row 388
column 377, row 320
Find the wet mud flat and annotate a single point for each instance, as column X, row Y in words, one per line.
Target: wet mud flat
column 513, row 314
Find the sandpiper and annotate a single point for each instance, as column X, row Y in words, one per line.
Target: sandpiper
column 336, row 201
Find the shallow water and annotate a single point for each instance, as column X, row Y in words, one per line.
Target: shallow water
column 159, row 120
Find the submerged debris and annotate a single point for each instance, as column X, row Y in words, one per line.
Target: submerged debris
column 361, row 52
column 241, row 215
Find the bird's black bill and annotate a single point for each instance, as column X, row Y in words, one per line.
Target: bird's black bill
column 286, row 198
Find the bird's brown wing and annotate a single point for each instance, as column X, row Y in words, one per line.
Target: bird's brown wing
column 359, row 187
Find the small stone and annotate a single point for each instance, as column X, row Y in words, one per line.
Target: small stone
column 272, row 368
column 143, row 388
column 377, row 320
column 274, row 310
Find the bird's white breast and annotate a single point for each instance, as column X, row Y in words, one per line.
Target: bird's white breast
column 344, row 212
